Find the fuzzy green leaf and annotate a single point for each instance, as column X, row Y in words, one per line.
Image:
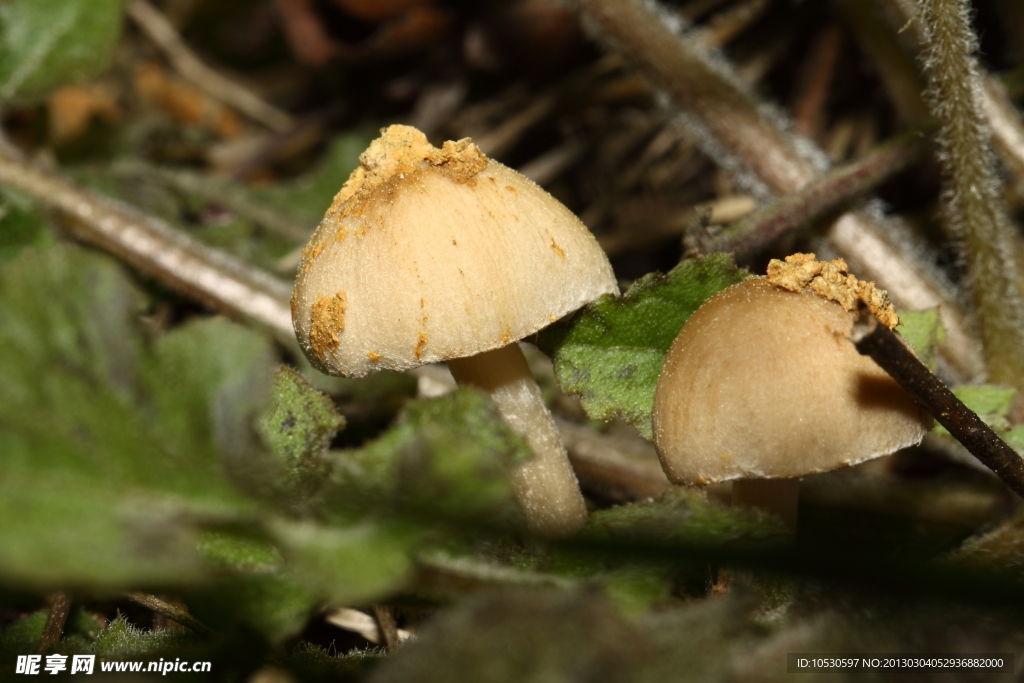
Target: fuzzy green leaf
column 260, row 594
column 19, row 226
column 22, row 636
column 46, row 43
column 685, row 516
column 348, row 565
column 450, row 455
column 299, row 426
column 314, row 664
column 111, row 444
column 611, row 354
column 121, row 640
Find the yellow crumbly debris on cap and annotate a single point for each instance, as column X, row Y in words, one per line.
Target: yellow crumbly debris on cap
column 831, row 280
column 327, row 321
column 402, row 150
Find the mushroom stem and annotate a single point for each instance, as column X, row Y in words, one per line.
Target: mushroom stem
column 778, row 497
column 546, row 486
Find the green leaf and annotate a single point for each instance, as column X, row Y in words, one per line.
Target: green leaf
column 349, row 565
column 22, row 637
column 684, row 516
column 637, row 586
column 238, row 551
column 311, row 663
column 451, row 456
column 924, row 332
column 299, row 427
column 446, row 459
column 19, row 226
column 46, row 43
column 122, row 640
column 260, row 594
column 611, row 354
column 113, row 448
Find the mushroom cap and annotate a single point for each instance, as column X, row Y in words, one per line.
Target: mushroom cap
column 428, row 254
column 764, row 383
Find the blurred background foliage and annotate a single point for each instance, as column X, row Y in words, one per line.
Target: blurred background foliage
column 177, row 482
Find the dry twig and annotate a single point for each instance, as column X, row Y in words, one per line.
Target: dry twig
column 823, row 59
column 831, row 192
column 386, row 626
column 201, row 272
column 167, row 610
column 214, row 84
column 892, row 355
column 60, row 608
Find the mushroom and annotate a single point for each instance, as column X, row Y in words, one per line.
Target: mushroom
column 763, row 386
column 431, row 255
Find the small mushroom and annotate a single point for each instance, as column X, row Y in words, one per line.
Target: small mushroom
column 763, row 386
column 431, row 255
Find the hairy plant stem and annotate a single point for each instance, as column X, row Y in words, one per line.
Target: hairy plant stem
column 974, row 209
column 745, row 136
column 882, row 41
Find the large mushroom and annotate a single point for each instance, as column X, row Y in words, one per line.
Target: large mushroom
column 763, row 386
column 431, row 255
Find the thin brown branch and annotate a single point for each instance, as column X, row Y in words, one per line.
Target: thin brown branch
column 824, row 56
column 832, row 192
column 741, row 135
column 876, row 340
column 191, row 67
column 722, row 106
column 386, row 626
column 894, row 65
column 229, row 194
column 729, row 23
column 60, row 608
column 167, row 610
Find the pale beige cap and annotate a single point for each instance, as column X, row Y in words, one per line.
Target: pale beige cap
column 765, row 382
column 429, row 254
